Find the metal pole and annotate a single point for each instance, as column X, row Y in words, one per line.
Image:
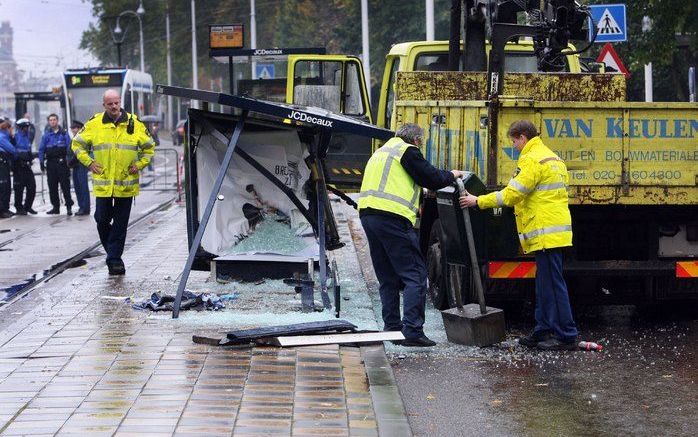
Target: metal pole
column 207, row 212
column 253, row 36
column 194, row 60
column 140, row 28
column 430, row 19
column 364, row 45
column 692, row 84
column 648, row 82
column 231, row 75
column 170, row 124
column 118, row 54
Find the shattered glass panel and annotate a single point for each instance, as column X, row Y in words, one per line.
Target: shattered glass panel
column 271, row 236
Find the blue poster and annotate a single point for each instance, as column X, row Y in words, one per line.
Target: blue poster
column 610, row 22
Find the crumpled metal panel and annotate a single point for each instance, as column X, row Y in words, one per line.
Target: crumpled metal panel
column 456, row 85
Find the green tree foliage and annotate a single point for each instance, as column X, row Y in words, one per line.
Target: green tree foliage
column 671, row 45
column 334, row 24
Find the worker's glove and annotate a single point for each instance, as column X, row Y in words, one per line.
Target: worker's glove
column 41, row 165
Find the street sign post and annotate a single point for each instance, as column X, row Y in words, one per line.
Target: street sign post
column 610, row 23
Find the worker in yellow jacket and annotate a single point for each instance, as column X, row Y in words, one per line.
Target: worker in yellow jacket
column 121, row 147
column 538, row 193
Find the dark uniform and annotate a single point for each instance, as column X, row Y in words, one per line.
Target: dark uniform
column 7, row 155
column 388, row 205
column 22, row 171
column 80, row 182
column 54, row 148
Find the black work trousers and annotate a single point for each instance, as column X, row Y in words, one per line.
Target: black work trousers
column 24, row 181
column 5, row 184
column 58, row 173
column 111, row 215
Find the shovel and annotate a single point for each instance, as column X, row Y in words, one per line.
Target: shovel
column 472, row 324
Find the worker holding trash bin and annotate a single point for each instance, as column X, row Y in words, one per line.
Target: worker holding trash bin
column 388, row 205
column 538, row 193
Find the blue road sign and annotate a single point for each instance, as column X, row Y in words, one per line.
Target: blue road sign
column 264, row 71
column 610, row 22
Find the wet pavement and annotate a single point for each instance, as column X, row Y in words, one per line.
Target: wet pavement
column 31, row 245
column 76, row 358
column 642, row 383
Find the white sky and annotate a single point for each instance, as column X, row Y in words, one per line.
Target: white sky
column 47, row 34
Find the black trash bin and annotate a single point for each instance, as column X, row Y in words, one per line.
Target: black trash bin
column 454, row 245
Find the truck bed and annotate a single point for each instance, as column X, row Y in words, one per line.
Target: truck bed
column 617, row 152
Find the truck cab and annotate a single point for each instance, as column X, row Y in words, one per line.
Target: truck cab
column 332, row 82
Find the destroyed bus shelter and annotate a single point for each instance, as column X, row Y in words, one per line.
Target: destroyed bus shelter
column 263, row 155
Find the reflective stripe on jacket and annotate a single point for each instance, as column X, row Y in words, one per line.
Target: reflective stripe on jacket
column 115, row 149
column 386, row 185
column 538, row 193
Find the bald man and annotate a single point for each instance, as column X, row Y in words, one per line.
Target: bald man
column 122, row 147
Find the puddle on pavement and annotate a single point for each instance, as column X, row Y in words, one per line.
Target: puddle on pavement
column 9, row 292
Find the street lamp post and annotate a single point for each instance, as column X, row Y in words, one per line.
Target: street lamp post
column 138, row 13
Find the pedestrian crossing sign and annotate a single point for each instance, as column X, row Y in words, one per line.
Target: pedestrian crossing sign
column 610, row 23
column 264, row 71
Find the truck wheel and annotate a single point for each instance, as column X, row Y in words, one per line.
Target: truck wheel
column 441, row 274
column 435, row 271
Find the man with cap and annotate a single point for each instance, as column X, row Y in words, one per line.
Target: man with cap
column 54, row 148
column 7, row 155
column 22, row 169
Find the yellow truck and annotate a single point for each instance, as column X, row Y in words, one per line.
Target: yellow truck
column 633, row 170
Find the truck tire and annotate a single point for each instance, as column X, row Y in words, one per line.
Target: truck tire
column 441, row 274
column 435, row 270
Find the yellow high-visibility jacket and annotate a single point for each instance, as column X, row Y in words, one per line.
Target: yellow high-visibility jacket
column 115, row 149
column 386, row 184
column 538, row 193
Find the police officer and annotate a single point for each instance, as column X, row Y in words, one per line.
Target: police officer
column 7, row 155
column 22, row 170
column 54, row 148
column 122, row 147
column 388, row 205
column 538, row 193
column 82, row 189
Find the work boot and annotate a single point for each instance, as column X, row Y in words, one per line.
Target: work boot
column 69, row 212
column 21, row 211
column 422, row 341
column 31, row 211
column 82, row 212
column 116, row 267
column 553, row 344
column 53, row 211
column 534, row 338
column 5, row 214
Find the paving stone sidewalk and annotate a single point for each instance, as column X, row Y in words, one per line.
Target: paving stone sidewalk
column 83, row 362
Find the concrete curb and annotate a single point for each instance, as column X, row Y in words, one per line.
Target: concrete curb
column 387, row 403
column 391, row 415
